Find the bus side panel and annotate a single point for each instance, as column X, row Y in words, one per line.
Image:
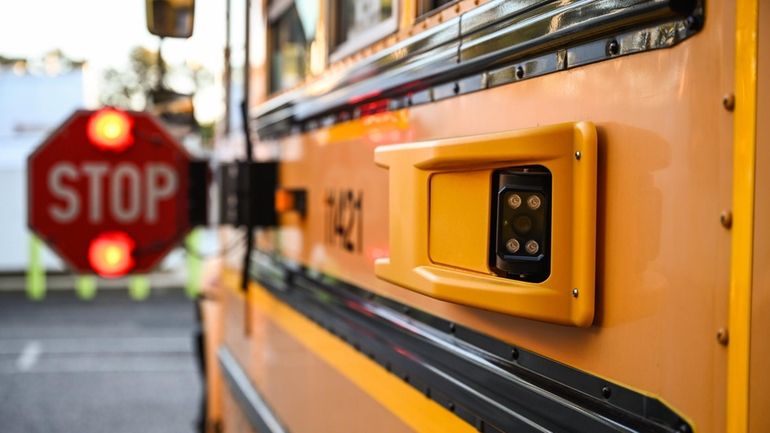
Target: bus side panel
column 307, row 391
column 234, row 420
column 759, row 397
column 665, row 143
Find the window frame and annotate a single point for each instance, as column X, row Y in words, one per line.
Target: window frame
column 380, row 31
column 275, row 11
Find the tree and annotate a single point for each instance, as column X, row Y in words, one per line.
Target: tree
column 131, row 89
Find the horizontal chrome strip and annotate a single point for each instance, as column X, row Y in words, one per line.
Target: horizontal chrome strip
column 497, row 43
column 496, row 387
column 253, row 406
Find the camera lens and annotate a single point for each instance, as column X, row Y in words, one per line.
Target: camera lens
column 522, row 224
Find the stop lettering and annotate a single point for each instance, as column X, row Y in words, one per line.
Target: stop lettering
column 125, row 192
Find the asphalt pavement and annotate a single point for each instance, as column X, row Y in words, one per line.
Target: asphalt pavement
column 110, row 365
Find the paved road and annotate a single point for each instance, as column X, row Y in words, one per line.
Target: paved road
column 106, row 366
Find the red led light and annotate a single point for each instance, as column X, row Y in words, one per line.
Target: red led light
column 111, row 254
column 110, row 129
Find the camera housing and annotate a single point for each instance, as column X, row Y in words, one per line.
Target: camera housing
column 520, row 244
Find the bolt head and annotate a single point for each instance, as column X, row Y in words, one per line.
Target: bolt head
column 723, row 337
column 532, row 247
column 728, row 101
column 534, row 202
column 514, row 201
column 726, row 219
column 512, row 245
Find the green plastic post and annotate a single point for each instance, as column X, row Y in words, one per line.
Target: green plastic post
column 85, row 287
column 194, row 264
column 139, row 287
column 35, row 269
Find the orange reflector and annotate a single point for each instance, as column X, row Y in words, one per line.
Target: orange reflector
column 284, row 201
column 111, row 254
column 110, row 129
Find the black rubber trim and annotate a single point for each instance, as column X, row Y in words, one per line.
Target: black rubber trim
column 490, row 384
column 260, row 416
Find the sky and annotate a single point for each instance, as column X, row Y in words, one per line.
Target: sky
column 103, row 32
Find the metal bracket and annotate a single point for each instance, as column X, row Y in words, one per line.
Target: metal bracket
column 247, row 193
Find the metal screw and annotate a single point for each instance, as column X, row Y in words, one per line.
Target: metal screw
column 519, row 72
column 512, row 245
column 728, row 101
column 613, row 48
column 606, row 391
column 691, row 22
column 578, row 155
column 723, row 337
column 726, row 219
column 575, row 292
column 480, row 425
column 532, row 247
column 452, row 328
column 534, row 202
column 514, row 201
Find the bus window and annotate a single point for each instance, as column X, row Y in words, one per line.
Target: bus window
column 425, row 7
column 359, row 23
column 289, row 47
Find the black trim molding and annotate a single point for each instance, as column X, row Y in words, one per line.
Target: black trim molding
column 492, row 385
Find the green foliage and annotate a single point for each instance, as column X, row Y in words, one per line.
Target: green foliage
column 130, row 89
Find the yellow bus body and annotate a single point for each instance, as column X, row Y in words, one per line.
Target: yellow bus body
column 677, row 299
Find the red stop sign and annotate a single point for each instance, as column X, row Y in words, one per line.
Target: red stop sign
column 103, row 173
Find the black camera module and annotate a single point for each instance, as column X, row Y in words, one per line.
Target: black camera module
column 520, row 244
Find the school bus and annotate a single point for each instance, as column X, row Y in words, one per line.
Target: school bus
column 496, row 216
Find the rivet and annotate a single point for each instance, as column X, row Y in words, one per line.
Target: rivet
column 726, row 219
column 575, row 292
column 452, row 328
column 613, row 48
column 519, row 72
column 480, row 424
column 451, row 406
column 578, row 155
column 532, row 247
column 456, row 88
column 606, row 391
column 723, row 337
column 515, row 353
column 728, row 101
column 691, row 22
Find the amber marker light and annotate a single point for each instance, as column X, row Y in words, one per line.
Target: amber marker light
column 284, row 201
column 111, row 254
column 110, row 129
